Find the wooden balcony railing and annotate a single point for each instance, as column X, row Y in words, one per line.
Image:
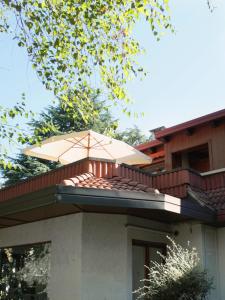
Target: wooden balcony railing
column 175, row 182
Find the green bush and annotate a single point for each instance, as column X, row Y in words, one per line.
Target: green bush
column 178, row 277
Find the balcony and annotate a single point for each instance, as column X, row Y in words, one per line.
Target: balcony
column 207, row 188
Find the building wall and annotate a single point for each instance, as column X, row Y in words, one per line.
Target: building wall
column 91, row 254
column 211, row 261
column 65, row 236
column 221, row 261
column 214, row 136
column 104, row 252
column 107, row 253
column 192, row 234
column 204, row 239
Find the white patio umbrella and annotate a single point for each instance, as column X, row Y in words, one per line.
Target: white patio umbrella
column 75, row 146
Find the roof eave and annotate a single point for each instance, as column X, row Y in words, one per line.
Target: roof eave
column 149, row 144
column 190, row 124
column 135, row 200
column 61, row 200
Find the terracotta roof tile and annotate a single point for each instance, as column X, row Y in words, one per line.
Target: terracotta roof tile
column 142, row 187
column 88, row 180
column 213, row 198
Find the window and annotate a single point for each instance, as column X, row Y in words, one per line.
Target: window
column 142, row 254
column 196, row 158
column 24, row 272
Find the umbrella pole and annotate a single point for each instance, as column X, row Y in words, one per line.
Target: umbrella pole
column 88, row 147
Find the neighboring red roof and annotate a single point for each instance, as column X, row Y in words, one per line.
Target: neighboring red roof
column 192, row 123
column 148, row 145
column 89, row 180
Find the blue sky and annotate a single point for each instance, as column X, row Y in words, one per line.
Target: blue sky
column 186, row 70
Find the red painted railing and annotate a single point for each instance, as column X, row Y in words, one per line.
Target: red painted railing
column 174, row 183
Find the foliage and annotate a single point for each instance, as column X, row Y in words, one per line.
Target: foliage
column 132, row 136
column 36, row 268
column 178, row 277
column 12, row 132
column 55, row 120
column 71, row 43
column 25, row 167
column 24, row 270
column 77, row 46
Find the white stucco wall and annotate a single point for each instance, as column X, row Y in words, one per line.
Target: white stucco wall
column 190, row 232
column 107, row 253
column 204, row 239
column 211, row 259
column 91, row 254
column 65, row 236
column 221, row 260
column 104, row 251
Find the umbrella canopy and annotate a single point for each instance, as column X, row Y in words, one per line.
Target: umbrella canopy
column 75, row 146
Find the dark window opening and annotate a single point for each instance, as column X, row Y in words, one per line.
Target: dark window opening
column 24, row 272
column 196, row 158
column 177, row 160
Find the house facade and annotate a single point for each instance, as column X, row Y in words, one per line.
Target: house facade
column 103, row 221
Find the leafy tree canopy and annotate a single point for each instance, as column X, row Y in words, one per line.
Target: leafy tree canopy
column 10, row 129
column 56, row 120
column 132, row 136
column 75, row 46
column 69, row 42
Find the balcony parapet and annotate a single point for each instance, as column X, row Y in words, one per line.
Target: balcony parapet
column 176, row 182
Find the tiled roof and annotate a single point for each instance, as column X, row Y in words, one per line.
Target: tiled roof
column 89, row 180
column 100, row 169
column 217, row 198
column 213, row 198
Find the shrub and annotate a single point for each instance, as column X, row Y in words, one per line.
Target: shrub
column 178, row 277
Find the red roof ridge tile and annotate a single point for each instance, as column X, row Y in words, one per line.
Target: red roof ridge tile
column 152, row 190
column 68, row 182
column 87, row 170
column 142, row 186
column 133, row 183
column 125, row 180
column 74, row 181
column 89, row 180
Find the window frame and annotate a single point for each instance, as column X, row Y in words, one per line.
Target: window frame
column 147, row 245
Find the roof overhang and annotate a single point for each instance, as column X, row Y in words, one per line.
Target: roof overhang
column 210, row 118
column 60, row 200
column 150, row 144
